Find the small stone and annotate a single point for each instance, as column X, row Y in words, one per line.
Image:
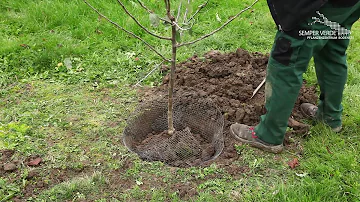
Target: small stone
column 9, row 167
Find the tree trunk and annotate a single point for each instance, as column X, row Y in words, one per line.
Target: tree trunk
column 171, row 86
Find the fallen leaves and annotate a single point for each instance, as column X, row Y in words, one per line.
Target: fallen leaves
column 293, row 163
column 24, row 45
column 34, row 162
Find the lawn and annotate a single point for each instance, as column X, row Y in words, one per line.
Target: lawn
column 67, row 88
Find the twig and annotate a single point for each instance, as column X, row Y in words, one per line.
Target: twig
column 150, row 11
column 142, row 5
column 258, row 88
column 198, row 10
column 167, row 6
column 179, row 10
column 180, row 28
column 186, row 12
column 218, row 29
column 128, row 32
column 147, row 75
column 140, row 25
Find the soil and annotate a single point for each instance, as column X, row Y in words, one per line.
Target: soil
column 229, row 81
column 182, row 149
column 38, row 178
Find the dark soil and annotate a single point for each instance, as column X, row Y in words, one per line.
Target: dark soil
column 182, row 149
column 229, row 80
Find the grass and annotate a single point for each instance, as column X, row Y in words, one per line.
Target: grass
column 72, row 115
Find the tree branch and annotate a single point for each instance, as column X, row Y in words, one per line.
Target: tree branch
column 167, row 6
column 218, row 29
column 180, row 28
column 179, row 10
column 140, row 25
column 147, row 75
column 186, row 12
column 198, row 10
column 150, row 11
column 128, row 32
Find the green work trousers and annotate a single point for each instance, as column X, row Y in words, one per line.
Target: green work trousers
column 289, row 59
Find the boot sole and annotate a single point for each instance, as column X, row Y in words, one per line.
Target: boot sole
column 273, row 149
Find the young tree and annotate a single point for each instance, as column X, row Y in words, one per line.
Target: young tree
column 178, row 26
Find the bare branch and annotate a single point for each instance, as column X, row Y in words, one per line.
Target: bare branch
column 186, row 12
column 142, row 5
column 218, row 29
column 167, row 6
column 150, row 11
column 198, row 10
column 180, row 28
column 128, row 32
column 147, row 75
column 179, row 10
column 140, row 25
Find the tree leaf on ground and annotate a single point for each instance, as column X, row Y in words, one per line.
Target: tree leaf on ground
column 293, row 163
column 34, row 162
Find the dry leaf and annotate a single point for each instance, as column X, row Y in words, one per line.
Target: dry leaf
column 293, row 163
column 24, row 45
column 35, row 162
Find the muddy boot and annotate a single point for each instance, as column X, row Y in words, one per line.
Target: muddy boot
column 246, row 134
column 310, row 111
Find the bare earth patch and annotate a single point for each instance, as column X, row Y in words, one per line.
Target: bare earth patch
column 229, row 81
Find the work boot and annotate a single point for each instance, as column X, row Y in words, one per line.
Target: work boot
column 309, row 111
column 246, row 134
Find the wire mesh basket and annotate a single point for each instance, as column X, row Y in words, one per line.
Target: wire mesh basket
column 198, row 135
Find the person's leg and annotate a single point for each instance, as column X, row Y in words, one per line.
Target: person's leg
column 331, row 71
column 331, row 67
column 283, row 82
column 288, row 61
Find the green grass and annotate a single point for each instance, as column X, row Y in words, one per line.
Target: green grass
column 73, row 117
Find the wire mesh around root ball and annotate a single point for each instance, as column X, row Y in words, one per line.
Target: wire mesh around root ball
column 198, row 135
